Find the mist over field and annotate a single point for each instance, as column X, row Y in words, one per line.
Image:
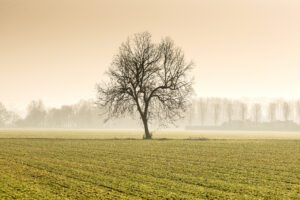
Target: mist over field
column 160, row 99
column 203, row 114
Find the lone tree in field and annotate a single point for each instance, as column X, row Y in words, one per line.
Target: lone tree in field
column 147, row 78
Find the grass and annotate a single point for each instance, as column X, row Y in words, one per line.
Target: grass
column 93, row 165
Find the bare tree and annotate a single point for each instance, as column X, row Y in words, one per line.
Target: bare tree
column 229, row 110
column 286, row 110
column 272, row 112
column 191, row 112
column 243, row 111
column 216, row 110
column 3, row 115
column 298, row 109
column 202, row 109
column 148, row 78
column 256, row 112
column 36, row 114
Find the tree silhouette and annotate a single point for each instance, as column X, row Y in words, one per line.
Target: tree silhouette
column 3, row 115
column 286, row 110
column 243, row 111
column 272, row 111
column 256, row 113
column 36, row 114
column 148, row 78
column 202, row 109
column 216, row 106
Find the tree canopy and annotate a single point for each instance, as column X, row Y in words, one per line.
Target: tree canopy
column 149, row 78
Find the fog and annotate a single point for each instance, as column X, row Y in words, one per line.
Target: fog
column 208, row 113
column 244, row 51
column 56, row 50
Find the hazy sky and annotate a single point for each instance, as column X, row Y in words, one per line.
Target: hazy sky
column 56, row 50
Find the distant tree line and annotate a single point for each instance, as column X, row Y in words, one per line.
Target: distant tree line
column 81, row 115
column 217, row 111
column 202, row 112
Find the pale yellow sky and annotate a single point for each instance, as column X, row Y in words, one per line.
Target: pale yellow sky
column 56, row 50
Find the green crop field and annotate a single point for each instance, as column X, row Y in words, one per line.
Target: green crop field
column 37, row 164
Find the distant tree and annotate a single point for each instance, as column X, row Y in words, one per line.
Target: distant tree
column 148, row 78
column 36, row 114
column 54, row 118
column 229, row 110
column 13, row 119
column 243, row 111
column 68, row 115
column 61, row 118
column 272, row 111
column 216, row 106
column 286, row 110
column 191, row 112
column 297, row 108
column 86, row 115
column 3, row 115
column 256, row 112
column 202, row 110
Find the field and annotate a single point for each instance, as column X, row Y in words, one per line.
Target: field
column 38, row 164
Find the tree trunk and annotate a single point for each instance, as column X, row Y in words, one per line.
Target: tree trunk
column 147, row 133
